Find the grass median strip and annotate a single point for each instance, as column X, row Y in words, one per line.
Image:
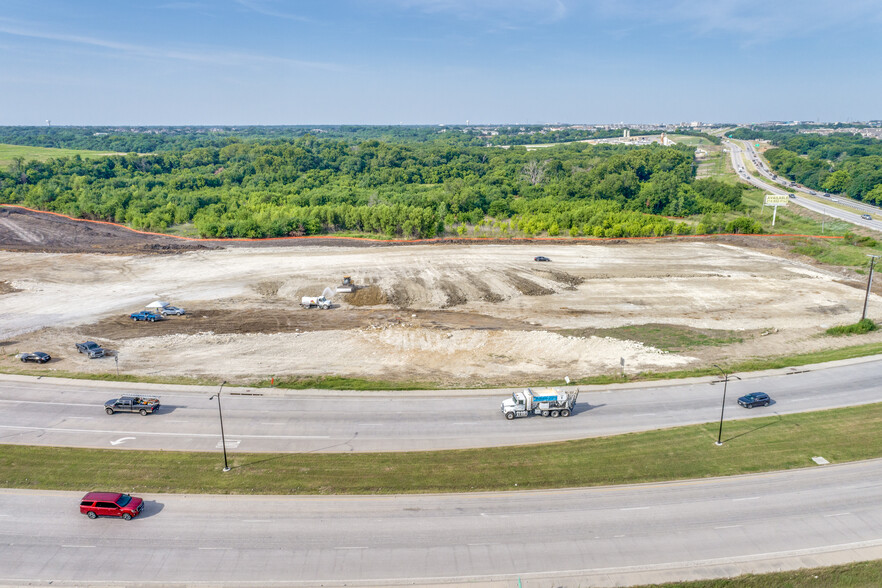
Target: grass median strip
column 752, row 445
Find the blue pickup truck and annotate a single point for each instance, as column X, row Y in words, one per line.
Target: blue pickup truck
column 145, row 315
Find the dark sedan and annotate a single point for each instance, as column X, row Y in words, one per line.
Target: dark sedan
column 755, row 399
column 36, row 357
column 541, row 258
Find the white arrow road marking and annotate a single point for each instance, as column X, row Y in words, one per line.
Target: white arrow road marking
column 121, row 439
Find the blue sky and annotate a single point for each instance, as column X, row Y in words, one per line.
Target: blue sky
column 229, row 62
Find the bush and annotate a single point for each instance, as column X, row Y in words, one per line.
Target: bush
column 859, row 328
column 744, row 225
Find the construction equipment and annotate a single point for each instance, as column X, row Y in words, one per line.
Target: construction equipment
column 547, row 402
column 347, row 286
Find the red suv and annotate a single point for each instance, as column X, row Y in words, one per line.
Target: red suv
column 110, row 504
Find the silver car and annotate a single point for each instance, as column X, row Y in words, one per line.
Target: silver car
column 169, row 310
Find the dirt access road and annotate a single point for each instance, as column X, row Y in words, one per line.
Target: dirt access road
column 453, row 314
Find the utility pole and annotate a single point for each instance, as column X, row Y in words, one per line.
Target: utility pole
column 221, row 415
column 873, row 259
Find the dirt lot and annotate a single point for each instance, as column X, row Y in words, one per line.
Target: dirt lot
column 456, row 314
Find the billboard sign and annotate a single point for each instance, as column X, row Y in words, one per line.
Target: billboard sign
column 776, row 199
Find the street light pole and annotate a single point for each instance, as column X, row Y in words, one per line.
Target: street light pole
column 723, row 409
column 221, row 415
column 873, row 259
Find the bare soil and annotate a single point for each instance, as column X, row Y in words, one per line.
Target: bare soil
column 451, row 313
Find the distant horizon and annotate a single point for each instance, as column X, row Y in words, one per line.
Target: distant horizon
column 679, row 124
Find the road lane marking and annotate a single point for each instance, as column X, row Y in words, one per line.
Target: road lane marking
column 838, row 514
column 635, row 508
column 61, row 430
column 741, row 499
column 211, row 548
column 257, row 520
column 84, row 546
column 365, row 547
column 44, row 402
column 727, row 527
column 122, row 440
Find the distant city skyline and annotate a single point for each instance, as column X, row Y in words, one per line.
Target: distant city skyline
column 276, row 62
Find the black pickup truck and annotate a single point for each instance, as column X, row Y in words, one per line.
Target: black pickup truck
column 143, row 404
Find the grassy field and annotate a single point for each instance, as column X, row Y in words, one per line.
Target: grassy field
column 866, row 574
column 788, row 441
column 8, row 153
column 674, row 338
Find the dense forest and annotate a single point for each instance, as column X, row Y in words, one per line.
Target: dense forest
column 312, row 185
column 181, row 139
column 840, row 163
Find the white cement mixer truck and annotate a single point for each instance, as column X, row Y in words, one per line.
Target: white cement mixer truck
column 547, row 402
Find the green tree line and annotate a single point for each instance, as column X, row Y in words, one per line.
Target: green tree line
column 311, row 185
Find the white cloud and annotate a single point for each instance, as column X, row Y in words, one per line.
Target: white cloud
column 506, row 13
column 267, row 8
column 754, row 20
column 207, row 56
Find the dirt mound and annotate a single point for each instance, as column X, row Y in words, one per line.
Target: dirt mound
column 24, row 230
column 526, row 287
column 367, row 296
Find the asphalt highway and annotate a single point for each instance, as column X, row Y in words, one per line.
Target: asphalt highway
column 70, row 413
column 601, row 536
column 739, row 150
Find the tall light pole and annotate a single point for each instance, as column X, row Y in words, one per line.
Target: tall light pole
column 221, row 415
column 723, row 409
column 873, row 259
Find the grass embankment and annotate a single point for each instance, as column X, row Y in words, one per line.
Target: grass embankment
column 866, row 574
column 673, row 338
column 8, row 153
column 787, row 442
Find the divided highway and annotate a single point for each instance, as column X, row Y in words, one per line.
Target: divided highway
column 738, row 150
column 71, row 413
column 599, row 536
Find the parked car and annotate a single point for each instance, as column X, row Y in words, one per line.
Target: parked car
column 755, row 399
column 111, row 504
column 35, row 357
column 145, row 315
column 91, row 349
column 167, row 310
column 541, row 258
column 863, row 216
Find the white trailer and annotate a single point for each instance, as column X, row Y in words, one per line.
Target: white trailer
column 315, row 301
column 547, row 402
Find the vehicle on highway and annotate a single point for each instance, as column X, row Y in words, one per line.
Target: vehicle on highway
column 145, row 315
column 755, row 399
column 111, row 504
column 863, row 216
column 825, row 195
column 35, row 357
column 547, row 402
column 142, row 404
column 835, row 199
column 91, row 349
column 791, row 195
column 168, row 310
column 541, row 258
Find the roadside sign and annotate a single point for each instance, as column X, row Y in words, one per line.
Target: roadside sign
column 776, row 199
